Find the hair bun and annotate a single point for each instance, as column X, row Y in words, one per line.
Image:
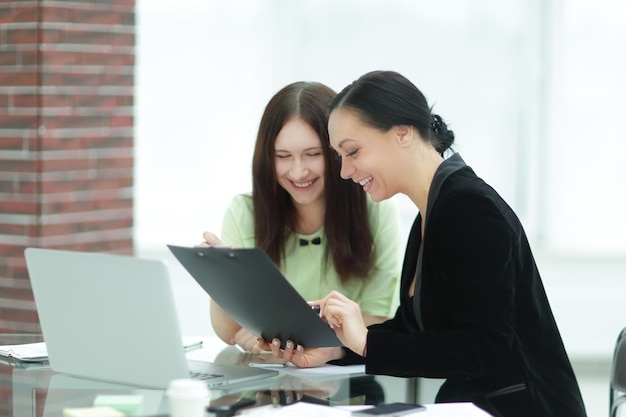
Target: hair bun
column 444, row 137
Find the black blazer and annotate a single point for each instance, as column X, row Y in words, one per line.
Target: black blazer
column 479, row 317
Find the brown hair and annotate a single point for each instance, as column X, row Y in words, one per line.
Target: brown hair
column 346, row 223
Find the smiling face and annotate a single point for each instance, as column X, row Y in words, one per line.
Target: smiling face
column 299, row 162
column 369, row 156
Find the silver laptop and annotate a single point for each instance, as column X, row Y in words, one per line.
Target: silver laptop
column 113, row 318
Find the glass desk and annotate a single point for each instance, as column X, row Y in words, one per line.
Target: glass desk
column 34, row 390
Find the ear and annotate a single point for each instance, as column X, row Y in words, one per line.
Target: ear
column 404, row 134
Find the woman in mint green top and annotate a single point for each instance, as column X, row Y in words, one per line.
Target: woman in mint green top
column 304, row 264
column 321, row 231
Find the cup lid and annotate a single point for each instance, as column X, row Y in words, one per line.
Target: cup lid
column 187, row 388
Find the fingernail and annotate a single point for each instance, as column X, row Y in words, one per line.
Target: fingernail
column 300, row 348
column 289, row 344
column 275, row 342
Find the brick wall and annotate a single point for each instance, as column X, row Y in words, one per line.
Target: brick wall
column 66, row 136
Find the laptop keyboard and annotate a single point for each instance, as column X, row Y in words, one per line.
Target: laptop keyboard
column 203, row 376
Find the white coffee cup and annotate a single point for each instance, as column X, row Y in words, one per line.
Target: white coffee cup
column 187, row 398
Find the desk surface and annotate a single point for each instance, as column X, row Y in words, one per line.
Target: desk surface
column 35, row 390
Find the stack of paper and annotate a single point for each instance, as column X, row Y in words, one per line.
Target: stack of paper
column 28, row 352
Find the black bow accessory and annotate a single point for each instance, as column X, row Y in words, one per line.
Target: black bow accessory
column 314, row 241
column 436, row 124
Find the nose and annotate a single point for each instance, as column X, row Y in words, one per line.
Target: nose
column 299, row 170
column 347, row 168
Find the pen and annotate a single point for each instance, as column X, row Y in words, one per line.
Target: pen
column 316, row 309
column 193, row 346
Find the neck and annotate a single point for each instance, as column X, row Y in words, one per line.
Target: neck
column 310, row 217
column 424, row 166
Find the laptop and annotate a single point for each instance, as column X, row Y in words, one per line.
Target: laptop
column 113, row 318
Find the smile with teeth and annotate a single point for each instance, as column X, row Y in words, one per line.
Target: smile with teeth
column 303, row 184
column 365, row 181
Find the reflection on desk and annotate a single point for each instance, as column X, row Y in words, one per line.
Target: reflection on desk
column 38, row 391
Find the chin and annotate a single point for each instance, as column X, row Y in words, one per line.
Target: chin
column 378, row 197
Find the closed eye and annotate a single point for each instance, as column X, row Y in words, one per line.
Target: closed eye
column 353, row 153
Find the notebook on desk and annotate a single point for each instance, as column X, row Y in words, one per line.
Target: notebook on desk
column 113, row 318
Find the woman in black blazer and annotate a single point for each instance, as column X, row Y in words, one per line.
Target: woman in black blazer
column 473, row 307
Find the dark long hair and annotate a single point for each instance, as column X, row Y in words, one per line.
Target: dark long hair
column 346, row 223
column 383, row 99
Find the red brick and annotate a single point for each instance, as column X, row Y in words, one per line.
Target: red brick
column 18, row 314
column 6, row 14
column 108, row 101
column 60, row 143
column 91, row 142
column 11, row 251
column 28, row 56
column 12, row 229
column 97, row 38
column 17, row 122
column 24, row 100
column 114, row 204
column 106, row 59
column 86, row 79
column 127, row 80
column 74, row 36
column 15, row 78
column 11, row 13
column 53, row 57
column 21, row 35
column 18, row 187
column 120, row 246
column 57, row 100
column 76, row 122
column 83, row 227
column 104, row 17
column 8, row 57
column 11, row 165
column 115, row 163
column 23, row 13
column 108, row 142
column 121, row 121
column 66, row 165
column 62, row 14
column 11, row 143
column 17, row 207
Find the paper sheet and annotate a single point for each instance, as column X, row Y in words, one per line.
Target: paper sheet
column 302, row 409
column 324, row 370
column 297, row 409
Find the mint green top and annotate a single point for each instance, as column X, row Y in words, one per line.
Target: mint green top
column 304, row 266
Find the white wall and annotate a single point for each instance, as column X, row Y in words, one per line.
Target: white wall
column 532, row 89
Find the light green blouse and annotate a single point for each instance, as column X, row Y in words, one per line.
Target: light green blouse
column 304, row 266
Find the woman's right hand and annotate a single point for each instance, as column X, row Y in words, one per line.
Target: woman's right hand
column 345, row 318
column 210, row 239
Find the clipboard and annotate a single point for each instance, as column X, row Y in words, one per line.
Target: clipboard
column 253, row 291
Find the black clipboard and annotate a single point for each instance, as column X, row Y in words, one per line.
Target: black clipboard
column 251, row 289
